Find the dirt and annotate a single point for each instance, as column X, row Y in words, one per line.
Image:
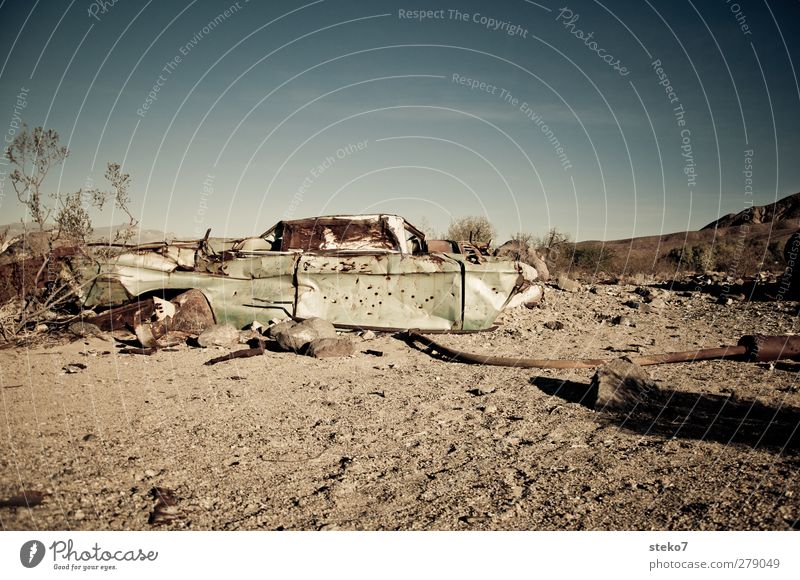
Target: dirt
column 407, row 441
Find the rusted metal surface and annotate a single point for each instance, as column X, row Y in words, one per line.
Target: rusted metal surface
column 122, row 316
column 757, row 348
column 360, row 271
column 336, row 234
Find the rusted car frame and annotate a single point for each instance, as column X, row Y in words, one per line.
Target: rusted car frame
column 355, row 271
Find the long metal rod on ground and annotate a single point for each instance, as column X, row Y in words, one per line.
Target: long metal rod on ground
column 751, row 347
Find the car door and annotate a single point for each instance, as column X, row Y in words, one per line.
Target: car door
column 381, row 289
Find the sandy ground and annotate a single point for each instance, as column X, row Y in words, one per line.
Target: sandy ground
column 406, row 441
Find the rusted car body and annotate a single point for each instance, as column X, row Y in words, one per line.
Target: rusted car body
column 372, row 271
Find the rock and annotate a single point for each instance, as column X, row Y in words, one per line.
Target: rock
column 79, row 515
column 73, row 368
column 490, row 409
column 279, row 327
column 657, row 303
column 298, row 336
column 368, row 335
column 620, row 385
column 567, row 284
column 623, row 321
column 245, row 336
column 85, row 329
column 225, row 335
column 150, row 473
column 145, row 334
column 481, row 391
column 328, row 347
column 649, row 294
column 529, row 296
column 554, row 325
column 725, row 300
column 256, row 326
column 540, row 265
column 193, row 313
column 188, row 314
column 632, row 304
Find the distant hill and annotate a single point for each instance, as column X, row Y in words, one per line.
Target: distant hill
column 785, row 209
column 100, row 234
column 745, row 242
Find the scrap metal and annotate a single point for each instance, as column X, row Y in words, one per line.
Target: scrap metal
column 372, row 271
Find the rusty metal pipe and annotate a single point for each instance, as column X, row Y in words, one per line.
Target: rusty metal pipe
column 759, row 348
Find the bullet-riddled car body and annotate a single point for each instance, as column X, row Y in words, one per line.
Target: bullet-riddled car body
column 370, row 271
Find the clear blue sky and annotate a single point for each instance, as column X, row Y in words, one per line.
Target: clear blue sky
column 264, row 110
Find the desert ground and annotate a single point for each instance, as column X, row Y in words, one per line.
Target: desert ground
column 407, row 440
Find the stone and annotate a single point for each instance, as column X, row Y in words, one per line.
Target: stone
column 620, row 385
column 368, row 335
column 567, row 284
column 225, row 335
column 623, row 321
column 657, row 303
column 193, row 313
column 330, row 347
column 84, row 329
column 301, row 334
column 540, row 265
column 635, row 304
column 245, row 336
column 73, row 368
column 725, row 300
column 279, row 327
column 554, row 325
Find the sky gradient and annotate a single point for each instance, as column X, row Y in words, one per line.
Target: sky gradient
column 606, row 120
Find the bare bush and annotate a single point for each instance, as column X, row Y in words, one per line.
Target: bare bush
column 34, row 154
column 476, row 229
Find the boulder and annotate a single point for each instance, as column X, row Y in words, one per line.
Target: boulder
column 567, row 284
column 225, row 335
column 328, row 347
column 540, row 265
column 620, row 385
column 193, row 313
column 296, row 337
column 623, row 321
column 85, row 329
column 279, row 327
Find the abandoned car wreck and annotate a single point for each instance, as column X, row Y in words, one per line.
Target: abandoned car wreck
column 365, row 271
